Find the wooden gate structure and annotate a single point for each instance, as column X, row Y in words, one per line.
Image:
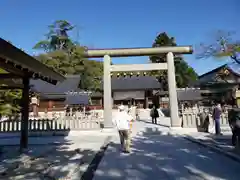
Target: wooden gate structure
column 17, row 68
column 125, row 52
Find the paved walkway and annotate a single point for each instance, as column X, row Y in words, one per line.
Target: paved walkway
column 156, row 154
column 67, row 158
column 221, row 144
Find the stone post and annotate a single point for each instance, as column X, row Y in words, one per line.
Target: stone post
column 107, row 93
column 175, row 120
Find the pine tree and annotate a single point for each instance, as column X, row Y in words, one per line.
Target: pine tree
column 184, row 73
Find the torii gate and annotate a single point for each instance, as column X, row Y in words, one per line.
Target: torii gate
column 125, row 52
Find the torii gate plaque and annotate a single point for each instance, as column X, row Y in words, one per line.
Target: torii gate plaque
column 169, row 65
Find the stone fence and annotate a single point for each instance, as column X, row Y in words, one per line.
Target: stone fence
column 54, row 124
column 192, row 120
column 94, row 120
column 57, row 121
column 51, row 125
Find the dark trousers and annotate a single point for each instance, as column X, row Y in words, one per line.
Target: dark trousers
column 217, row 126
column 154, row 120
column 206, row 125
column 235, row 136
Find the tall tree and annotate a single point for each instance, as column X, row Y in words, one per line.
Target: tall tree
column 57, row 38
column 66, row 55
column 61, row 52
column 184, row 73
column 222, row 45
column 63, row 62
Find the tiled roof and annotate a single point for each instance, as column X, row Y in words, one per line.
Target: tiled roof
column 71, row 83
column 210, row 77
column 17, row 59
column 135, row 83
column 77, row 99
column 47, row 90
column 234, row 67
column 189, row 94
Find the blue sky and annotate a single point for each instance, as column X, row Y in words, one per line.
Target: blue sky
column 125, row 23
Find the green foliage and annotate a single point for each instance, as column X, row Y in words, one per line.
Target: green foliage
column 10, row 102
column 64, row 62
column 66, row 55
column 92, row 75
column 57, row 38
column 184, row 73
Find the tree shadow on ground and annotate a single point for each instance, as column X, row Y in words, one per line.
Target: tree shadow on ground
column 158, row 124
column 62, row 158
column 222, row 141
column 160, row 155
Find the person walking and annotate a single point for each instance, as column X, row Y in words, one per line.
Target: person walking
column 217, row 111
column 154, row 114
column 122, row 121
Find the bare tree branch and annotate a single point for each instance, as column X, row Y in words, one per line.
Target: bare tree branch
column 223, row 45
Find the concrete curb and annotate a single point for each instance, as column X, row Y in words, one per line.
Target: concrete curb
column 213, row 148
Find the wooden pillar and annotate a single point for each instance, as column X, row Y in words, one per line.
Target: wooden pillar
column 146, row 100
column 25, row 114
column 101, row 102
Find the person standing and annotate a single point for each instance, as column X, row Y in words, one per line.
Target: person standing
column 204, row 119
column 234, row 123
column 122, row 121
column 217, row 117
column 154, row 114
column 138, row 112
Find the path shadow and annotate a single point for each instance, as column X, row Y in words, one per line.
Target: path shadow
column 224, row 141
column 159, row 155
column 59, row 157
column 158, row 124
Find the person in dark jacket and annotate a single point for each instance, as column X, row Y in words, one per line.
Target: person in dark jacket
column 204, row 118
column 233, row 120
column 154, row 114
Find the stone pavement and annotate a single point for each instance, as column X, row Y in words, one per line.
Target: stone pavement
column 221, row 144
column 159, row 154
column 66, row 158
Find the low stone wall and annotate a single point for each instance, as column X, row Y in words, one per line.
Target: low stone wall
column 192, row 120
